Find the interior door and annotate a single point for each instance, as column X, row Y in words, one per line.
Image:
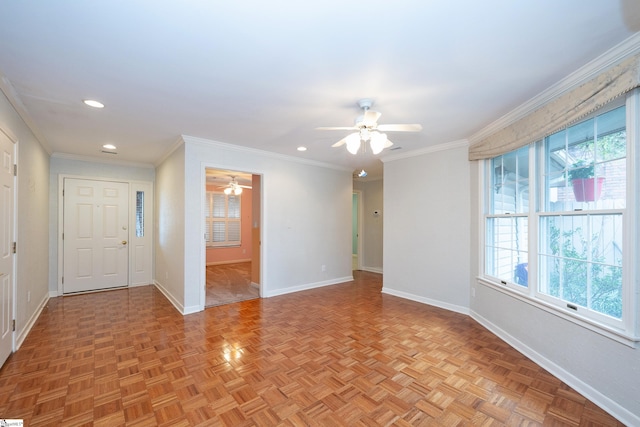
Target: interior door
column 95, row 235
column 6, row 246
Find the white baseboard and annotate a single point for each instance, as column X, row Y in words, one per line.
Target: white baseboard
column 228, row 262
column 30, row 322
column 308, row 286
column 174, row 301
column 613, row 408
column 372, row 269
column 428, row 301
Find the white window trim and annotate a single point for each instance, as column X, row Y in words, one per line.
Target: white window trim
column 628, row 331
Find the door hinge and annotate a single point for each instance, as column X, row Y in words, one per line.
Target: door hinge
column 14, row 247
column 63, row 280
column 14, row 325
column 15, row 169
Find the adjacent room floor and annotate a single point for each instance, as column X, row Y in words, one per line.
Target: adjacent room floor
column 229, row 283
column 342, row 355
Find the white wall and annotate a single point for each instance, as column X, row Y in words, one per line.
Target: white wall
column 32, row 222
column 372, row 226
column 427, row 226
column 61, row 165
column 170, row 211
column 306, row 218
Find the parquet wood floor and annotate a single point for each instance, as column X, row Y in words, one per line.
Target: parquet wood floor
column 344, row 355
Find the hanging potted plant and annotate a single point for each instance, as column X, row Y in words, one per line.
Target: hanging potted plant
column 586, row 188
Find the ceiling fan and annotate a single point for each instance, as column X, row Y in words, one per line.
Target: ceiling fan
column 367, row 129
column 234, row 187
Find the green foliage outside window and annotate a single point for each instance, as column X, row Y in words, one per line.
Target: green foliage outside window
column 569, row 273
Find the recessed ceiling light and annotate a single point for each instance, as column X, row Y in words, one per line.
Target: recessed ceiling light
column 93, row 103
column 109, row 146
column 302, row 148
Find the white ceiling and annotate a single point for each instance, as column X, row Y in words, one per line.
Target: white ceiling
column 266, row 74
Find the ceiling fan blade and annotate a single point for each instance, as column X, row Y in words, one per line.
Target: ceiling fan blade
column 337, row 128
column 339, row 143
column 344, row 140
column 400, row 128
column 245, row 186
column 388, row 144
column 370, row 118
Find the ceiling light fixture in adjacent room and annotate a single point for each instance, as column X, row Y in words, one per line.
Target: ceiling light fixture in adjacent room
column 233, row 187
column 109, row 146
column 301, row 148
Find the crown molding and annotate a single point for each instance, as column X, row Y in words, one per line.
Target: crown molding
column 67, row 156
column 179, row 142
column 10, row 92
column 248, row 150
column 613, row 56
column 428, row 150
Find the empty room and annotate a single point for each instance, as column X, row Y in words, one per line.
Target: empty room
column 320, row 213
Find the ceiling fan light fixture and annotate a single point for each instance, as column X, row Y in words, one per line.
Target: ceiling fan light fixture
column 228, row 190
column 237, row 191
column 353, row 143
column 365, row 134
column 378, row 142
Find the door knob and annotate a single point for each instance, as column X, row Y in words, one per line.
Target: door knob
column 124, row 242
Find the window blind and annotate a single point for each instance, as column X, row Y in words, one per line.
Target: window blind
column 562, row 111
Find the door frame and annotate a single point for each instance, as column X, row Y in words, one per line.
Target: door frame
column 149, row 207
column 203, row 247
column 14, row 237
column 359, row 228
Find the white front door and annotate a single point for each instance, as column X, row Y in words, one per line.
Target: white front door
column 95, row 235
column 6, row 246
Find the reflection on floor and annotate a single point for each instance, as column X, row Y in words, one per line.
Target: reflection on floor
column 229, row 283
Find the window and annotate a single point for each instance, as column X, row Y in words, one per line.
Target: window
column 508, row 223
column 581, row 219
column 222, row 216
column 564, row 199
column 139, row 213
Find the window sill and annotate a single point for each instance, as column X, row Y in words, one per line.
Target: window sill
column 615, row 334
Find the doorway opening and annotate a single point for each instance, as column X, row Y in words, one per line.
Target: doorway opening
column 232, row 236
column 356, row 232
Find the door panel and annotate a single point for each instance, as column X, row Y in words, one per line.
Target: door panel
column 6, row 246
column 95, row 235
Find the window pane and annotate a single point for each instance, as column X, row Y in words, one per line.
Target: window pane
column 581, row 261
column 207, row 231
column 219, row 206
column 140, row 214
column 234, row 231
column 234, row 207
column 507, row 256
column 510, row 182
column 585, row 165
column 612, row 138
column 219, row 232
